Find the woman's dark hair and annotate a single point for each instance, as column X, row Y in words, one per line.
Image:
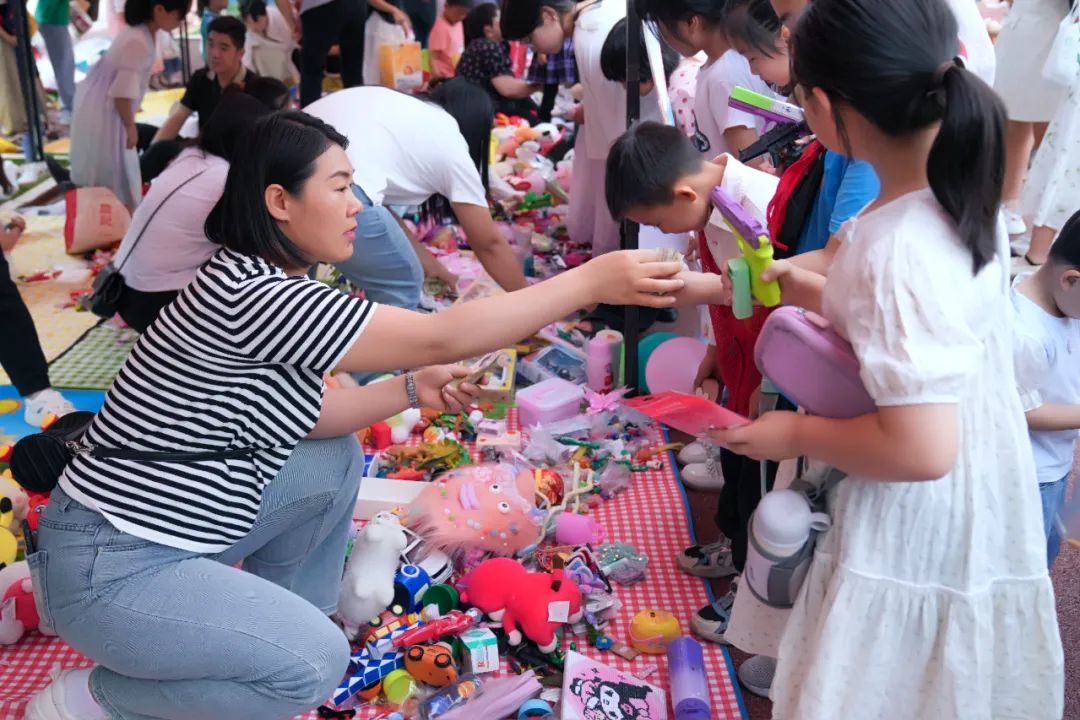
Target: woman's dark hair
column 281, row 149
column 230, row 26
column 479, row 18
column 613, row 56
column 271, row 92
column 139, row 12
column 236, row 113
column 521, row 17
column 753, row 24
column 1066, row 249
column 470, row 105
column 896, row 64
column 643, row 166
column 253, row 9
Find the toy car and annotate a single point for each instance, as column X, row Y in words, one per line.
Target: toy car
column 431, row 664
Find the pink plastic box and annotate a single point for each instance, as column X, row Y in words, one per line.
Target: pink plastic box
column 549, row 401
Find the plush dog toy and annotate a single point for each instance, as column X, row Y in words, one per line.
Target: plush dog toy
column 539, row 602
column 368, row 586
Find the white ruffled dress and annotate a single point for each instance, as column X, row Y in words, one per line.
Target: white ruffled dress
column 928, row 600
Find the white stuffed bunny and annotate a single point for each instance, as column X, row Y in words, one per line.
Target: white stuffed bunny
column 368, row 586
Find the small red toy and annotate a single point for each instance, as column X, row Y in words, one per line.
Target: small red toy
column 454, row 622
column 539, row 602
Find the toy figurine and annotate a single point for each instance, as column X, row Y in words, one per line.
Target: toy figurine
column 368, row 586
column 538, row 602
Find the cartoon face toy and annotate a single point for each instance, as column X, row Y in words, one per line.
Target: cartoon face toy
column 487, row 507
column 431, row 664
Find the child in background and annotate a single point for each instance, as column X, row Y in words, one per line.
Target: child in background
column 209, row 10
column 103, row 132
column 546, row 24
column 693, row 26
column 447, row 39
column 269, row 46
column 551, row 71
column 935, row 561
column 486, row 61
column 613, row 59
column 1047, row 322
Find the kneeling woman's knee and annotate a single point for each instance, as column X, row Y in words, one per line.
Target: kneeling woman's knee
column 320, row 665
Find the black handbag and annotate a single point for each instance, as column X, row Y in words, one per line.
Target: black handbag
column 38, row 460
column 109, row 285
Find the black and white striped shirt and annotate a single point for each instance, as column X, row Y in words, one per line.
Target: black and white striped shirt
column 236, row 362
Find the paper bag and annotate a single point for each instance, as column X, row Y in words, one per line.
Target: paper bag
column 95, row 218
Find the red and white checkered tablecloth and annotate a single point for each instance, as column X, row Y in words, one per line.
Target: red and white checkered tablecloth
column 651, row 515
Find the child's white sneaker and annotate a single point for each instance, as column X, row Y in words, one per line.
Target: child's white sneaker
column 65, row 699
column 708, row 561
column 40, row 404
column 707, row 476
column 694, row 453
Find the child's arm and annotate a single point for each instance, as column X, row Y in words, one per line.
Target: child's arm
column 702, row 289
column 908, row 443
column 1050, row 417
column 125, row 108
column 798, row 286
column 491, row 248
column 348, row 409
column 438, row 58
column 511, row 87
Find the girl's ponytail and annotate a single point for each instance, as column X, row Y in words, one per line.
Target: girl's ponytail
column 966, row 167
column 884, row 59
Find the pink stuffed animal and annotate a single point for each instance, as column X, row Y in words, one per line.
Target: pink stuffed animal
column 540, row 603
column 18, row 613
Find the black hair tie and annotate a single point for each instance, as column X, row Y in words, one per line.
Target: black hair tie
column 937, row 84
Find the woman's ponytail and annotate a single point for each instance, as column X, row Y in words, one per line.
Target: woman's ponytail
column 966, row 167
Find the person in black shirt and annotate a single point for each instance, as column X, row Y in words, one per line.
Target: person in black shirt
column 225, row 54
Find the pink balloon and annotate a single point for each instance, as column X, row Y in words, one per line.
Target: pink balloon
column 673, row 365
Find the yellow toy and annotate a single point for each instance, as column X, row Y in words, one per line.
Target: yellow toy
column 754, row 261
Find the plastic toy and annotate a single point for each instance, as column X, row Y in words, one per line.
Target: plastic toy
column 431, row 664
column 368, row 586
column 549, row 401
column 450, row 697
column 573, row 529
column 485, row 507
column 622, row 563
column 454, row 622
column 768, row 108
column 535, row 709
column 406, row 462
column 539, row 602
column 652, row 630
column 410, row 585
column 398, row 685
column 368, row 668
column 689, row 684
column 498, row 698
column 756, row 257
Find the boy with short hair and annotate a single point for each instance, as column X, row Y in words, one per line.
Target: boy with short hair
column 447, row 39
column 1047, row 322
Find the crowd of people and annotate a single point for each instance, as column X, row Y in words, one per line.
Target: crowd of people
column 900, row 220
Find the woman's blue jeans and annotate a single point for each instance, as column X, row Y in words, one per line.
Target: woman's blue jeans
column 182, row 636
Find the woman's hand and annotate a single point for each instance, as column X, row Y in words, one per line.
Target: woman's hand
column 774, row 436
column 10, row 232
column 132, row 137
column 435, row 388
column 633, row 277
column 402, row 19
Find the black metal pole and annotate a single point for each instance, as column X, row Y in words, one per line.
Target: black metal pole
column 185, row 52
column 28, row 82
column 630, row 229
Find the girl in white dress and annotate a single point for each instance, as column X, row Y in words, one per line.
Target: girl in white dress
column 1030, row 100
column 929, row 597
column 103, row 134
column 1052, row 192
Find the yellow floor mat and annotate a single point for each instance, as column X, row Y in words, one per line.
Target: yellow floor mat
column 42, row 248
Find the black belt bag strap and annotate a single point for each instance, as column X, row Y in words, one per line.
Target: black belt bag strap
column 38, row 460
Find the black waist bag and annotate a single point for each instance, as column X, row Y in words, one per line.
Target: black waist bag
column 38, row 460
